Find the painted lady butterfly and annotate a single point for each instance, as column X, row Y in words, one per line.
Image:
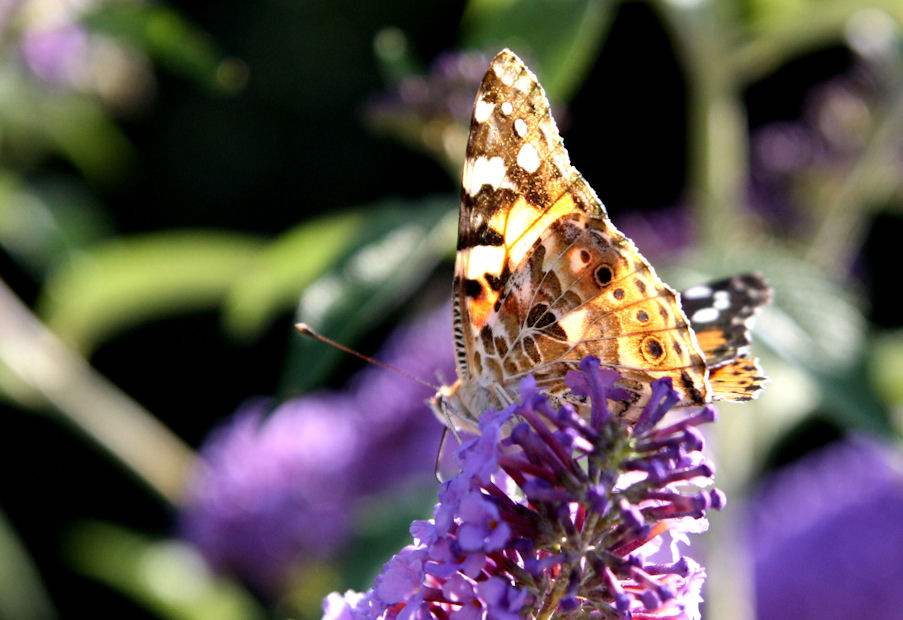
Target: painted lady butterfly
column 543, row 278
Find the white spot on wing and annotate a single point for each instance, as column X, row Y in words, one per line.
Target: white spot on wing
column 482, row 171
column 722, row 300
column 504, row 72
column 482, row 259
column 705, row 315
column 696, row 292
column 577, row 264
column 520, row 127
column 574, row 324
column 524, row 83
column 528, row 158
column 483, row 110
column 549, row 130
column 507, row 108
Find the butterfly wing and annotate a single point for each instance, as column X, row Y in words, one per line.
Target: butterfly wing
column 721, row 314
column 542, row 276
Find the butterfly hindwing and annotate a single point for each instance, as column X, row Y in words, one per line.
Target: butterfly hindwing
column 739, row 380
column 721, row 314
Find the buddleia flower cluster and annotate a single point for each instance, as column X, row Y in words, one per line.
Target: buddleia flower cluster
column 553, row 515
column 276, row 489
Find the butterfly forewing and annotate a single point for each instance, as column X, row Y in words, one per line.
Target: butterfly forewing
column 543, row 277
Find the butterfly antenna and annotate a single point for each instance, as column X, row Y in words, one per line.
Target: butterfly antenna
column 307, row 330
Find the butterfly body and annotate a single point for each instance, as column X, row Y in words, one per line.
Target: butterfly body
column 543, row 278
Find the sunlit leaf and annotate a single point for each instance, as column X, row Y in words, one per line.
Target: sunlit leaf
column 561, row 36
column 283, row 269
column 403, row 245
column 764, row 13
column 776, row 32
column 133, row 279
column 886, row 366
column 34, row 122
column 166, row 577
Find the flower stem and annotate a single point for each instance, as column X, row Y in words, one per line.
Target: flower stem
column 48, row 372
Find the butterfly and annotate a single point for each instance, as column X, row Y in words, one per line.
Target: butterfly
column 543, row 278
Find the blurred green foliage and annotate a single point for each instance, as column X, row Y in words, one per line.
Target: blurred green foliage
column 94, row 274
column 168, row 577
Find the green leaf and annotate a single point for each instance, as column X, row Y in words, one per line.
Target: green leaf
column 35, row 122
column 563, row 37
column 116, row 284
column 886, row 366
column 401, row 245
column 171, row 41
column 22, row 594
column 82, row 131
column 286, row 266
column 167, row 577
column 851, row 402
column 777, row 31
column 43, row 221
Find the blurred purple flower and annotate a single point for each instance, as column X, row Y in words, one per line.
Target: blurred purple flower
column 402, row 433
column 791, row 159
column 55, row 54
column 275, row 489
column 826, row 536
column 557, row 516
column 660, row 235
column 67, row 57
column 431, row 112
column 444, row 92
column 271, row 488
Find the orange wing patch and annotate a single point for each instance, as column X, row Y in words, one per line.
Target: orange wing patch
column 480, row 299
column 739, row 380
column 523, row 224
column 711, row 342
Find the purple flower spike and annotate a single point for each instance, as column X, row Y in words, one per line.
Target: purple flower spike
column 402, row 576
column 481, row 528
column 663, row 398
column 560, row 518
column 596, row 384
